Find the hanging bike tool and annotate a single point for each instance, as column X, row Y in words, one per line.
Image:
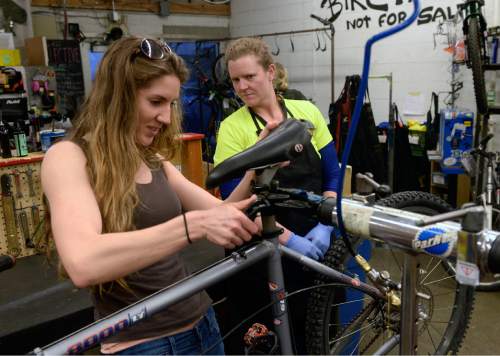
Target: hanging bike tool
column 17, row 180
column 23, row 223
column 13, row 247
column 29, row 174
column 37, row 228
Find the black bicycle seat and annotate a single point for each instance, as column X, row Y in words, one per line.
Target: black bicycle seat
column 282, row 144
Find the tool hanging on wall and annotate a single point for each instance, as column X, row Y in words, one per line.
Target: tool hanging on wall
column 29, row 174
column 35, row 216
column 9, row 216
column 25, row 229
column 38, row 230
column 17, row 180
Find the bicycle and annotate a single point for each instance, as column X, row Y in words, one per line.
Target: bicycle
column 439, row 277
column 404, row 230
column 474, row 27
column 393, row 303
column 487, row 195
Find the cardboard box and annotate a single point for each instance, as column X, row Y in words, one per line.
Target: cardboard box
column 36, row 51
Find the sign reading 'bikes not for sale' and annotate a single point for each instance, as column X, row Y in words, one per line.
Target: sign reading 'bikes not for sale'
column 365, row 14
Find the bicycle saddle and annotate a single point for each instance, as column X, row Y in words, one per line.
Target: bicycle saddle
column 282, row 144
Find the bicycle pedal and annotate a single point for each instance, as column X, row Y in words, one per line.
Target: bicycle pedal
column 260, row 341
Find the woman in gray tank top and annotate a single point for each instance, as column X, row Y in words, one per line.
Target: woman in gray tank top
column 120, row 212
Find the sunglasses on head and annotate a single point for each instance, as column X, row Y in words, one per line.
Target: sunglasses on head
column 155, row 49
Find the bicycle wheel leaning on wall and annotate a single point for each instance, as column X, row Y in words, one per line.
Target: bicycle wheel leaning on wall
column 473, row 27
column 443, row 316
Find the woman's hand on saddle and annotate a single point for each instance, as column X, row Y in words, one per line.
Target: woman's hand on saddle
column 270, row 126
column 225, row 225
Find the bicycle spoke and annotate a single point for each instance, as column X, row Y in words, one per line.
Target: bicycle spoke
column 351, row 333
column 429, row 264
column 396, row 260
column 432, row 339
column 437, row 322
column 428, row 274
column 359, row 344
column 349, row 302
column 446, row 308
column 435, row 329
column 438, row 280
column 443, row 294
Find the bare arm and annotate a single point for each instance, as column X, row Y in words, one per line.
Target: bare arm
column 90, row 256
column 329, row 194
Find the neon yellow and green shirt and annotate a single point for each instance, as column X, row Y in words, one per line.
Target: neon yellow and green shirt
column 238, row 132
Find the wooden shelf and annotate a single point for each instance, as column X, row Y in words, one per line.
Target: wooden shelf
column 198, row 8
column 30, row 158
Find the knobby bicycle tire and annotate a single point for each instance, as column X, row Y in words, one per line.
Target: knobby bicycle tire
column 488, row 285
column 474, row 40
column 320, row 300
column 325, row 335
column 428, row 201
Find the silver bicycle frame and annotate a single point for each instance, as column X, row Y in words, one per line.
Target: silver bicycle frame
column 394, row 227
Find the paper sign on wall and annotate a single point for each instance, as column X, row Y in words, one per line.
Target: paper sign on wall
column 414, row 104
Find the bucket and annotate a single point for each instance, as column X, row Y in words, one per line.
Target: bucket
column 48, row 137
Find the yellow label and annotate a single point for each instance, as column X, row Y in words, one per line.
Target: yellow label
column 462, row 246
column 10, row 57
column 467, row 123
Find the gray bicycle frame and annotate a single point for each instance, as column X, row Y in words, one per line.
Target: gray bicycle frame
column 95, row 333
column 394, row 227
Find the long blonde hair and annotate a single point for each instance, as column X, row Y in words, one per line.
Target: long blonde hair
column 281, row 78
column 107, row 123
column 105, row 128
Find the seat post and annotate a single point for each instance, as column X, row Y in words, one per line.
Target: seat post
column 276, row 283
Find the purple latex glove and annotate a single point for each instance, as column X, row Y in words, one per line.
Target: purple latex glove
column 303, row 246
column 320, row 237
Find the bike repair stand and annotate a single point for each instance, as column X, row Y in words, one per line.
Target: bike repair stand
column 467, row 271
column 408, row 344
column 276, row 284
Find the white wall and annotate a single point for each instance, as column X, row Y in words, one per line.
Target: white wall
column 94, row 24
column 410, row 55
column 23, row 30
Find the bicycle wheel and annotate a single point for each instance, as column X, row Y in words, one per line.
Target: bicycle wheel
column 443, row 316
column 487, row 284
column 220, row 73
column 474, row 40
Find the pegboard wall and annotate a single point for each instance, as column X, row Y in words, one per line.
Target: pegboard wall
column 21, row 211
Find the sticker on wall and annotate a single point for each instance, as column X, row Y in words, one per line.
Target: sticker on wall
column 435, row 241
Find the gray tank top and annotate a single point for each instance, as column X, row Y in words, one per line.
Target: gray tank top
column 159, row 203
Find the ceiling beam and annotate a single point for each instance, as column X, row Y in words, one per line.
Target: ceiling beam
column 198, row 8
